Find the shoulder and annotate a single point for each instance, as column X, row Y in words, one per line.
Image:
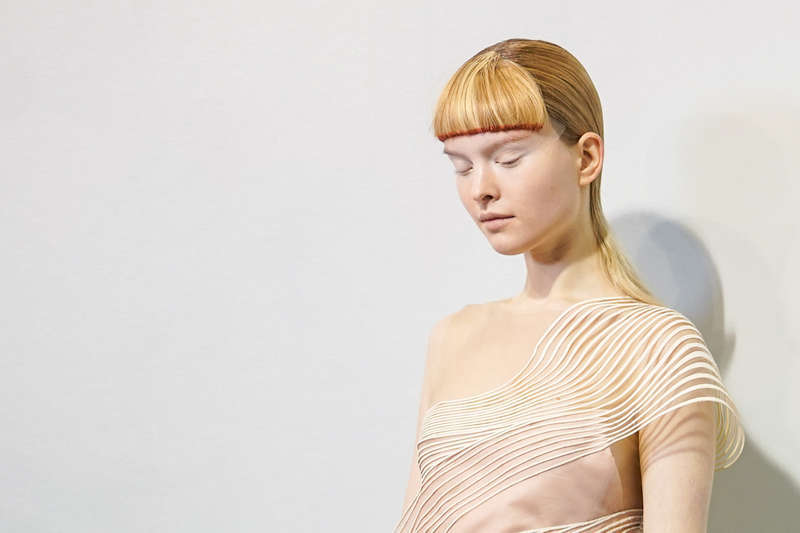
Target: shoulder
column 679, row 386
column 451, row 327
column 667, row 346
column 448, row 335
column 673, row 335
column 440, row 333
column 659, row 325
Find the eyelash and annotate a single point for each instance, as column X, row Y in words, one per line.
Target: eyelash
column 507, row 164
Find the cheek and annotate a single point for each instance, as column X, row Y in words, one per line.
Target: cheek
column 541, row 193
column 545, row 199
column 464, row 194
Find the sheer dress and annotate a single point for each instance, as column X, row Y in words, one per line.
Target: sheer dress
column 536, row 454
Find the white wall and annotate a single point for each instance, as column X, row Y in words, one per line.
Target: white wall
column 227, row 230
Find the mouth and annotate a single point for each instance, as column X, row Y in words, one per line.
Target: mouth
column 496, row 223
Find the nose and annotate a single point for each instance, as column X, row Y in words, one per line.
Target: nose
column 484, row 184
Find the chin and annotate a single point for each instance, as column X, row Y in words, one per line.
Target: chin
column 507, row 248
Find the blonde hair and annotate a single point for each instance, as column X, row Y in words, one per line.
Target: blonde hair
column 521, row 84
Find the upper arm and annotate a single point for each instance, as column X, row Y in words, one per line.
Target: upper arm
column 676, row 454
column 433, row 365
column 688, row 428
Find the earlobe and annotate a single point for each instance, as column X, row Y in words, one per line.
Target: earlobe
column 588, row 174
column 586, row 179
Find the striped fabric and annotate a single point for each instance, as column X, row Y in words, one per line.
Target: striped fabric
column 533, row 455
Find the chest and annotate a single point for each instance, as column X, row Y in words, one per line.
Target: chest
column 500, row 393
column 547, row 461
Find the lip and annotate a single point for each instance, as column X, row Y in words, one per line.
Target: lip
column 489, row 216
column 497, row 223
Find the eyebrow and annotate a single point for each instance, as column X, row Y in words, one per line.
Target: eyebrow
column 493, row 146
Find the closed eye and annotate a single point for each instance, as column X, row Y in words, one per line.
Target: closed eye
column 504, row 163
column 510, row 163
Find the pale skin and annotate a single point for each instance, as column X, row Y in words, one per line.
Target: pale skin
column 544, row 185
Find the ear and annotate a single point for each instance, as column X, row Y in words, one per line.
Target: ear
column 590, row 153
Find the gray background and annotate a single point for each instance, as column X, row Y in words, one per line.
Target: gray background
column 227, row 229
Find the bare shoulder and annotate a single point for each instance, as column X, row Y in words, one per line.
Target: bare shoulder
column 447, row 328
column 462, row 325
column 459, row 320
column 446, row 336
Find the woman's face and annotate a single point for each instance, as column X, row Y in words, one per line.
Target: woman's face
column 531, row 177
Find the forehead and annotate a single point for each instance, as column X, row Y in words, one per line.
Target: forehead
column 486, row 141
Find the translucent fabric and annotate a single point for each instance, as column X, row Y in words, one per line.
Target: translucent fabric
column 534, row 455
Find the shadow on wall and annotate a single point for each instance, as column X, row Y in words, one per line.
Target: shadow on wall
column 753, row 494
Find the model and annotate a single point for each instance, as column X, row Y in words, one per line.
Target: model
column 583, row 403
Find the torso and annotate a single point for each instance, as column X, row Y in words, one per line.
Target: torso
column 488, row 344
